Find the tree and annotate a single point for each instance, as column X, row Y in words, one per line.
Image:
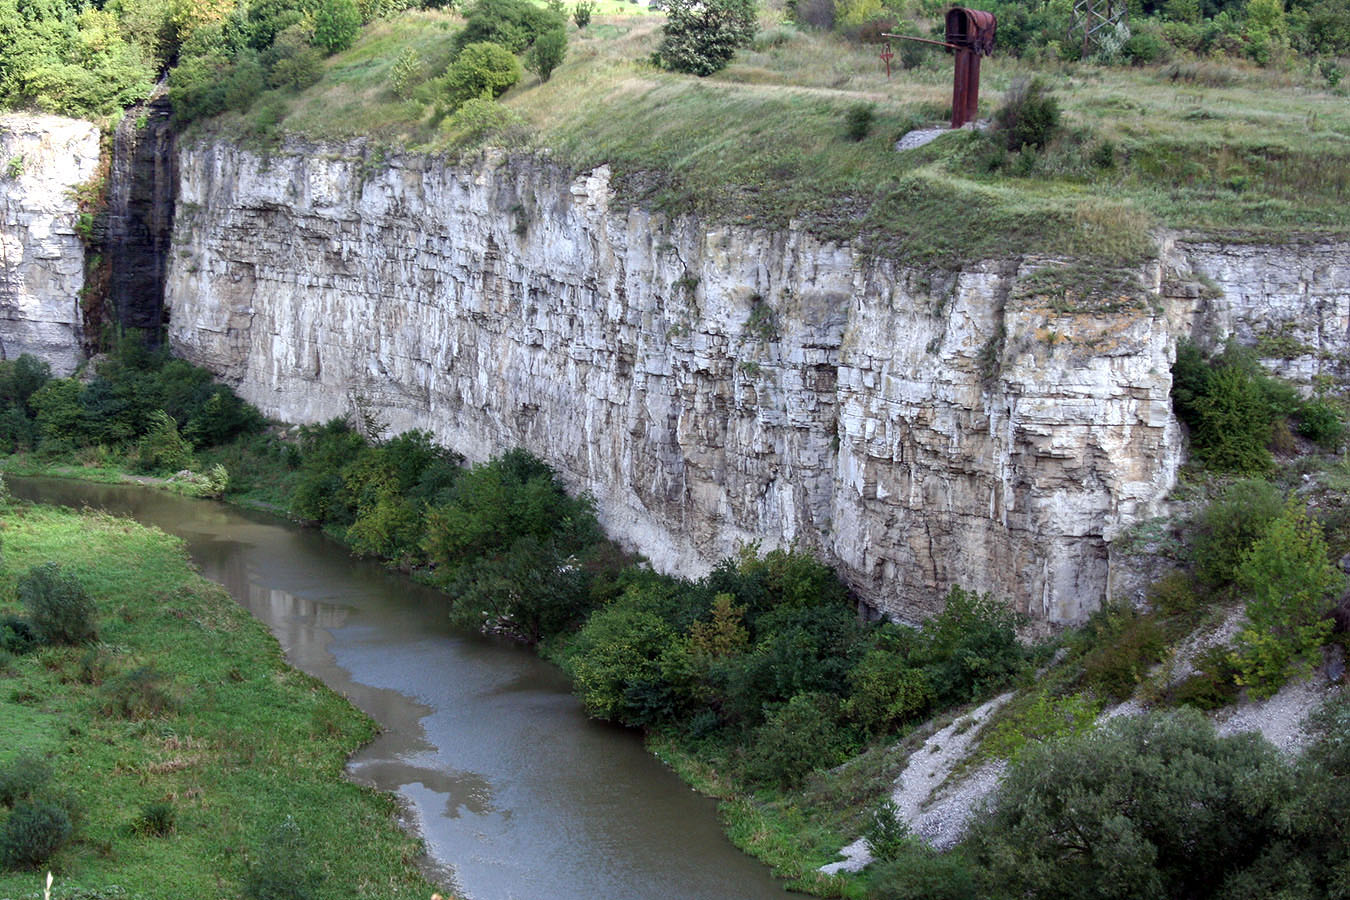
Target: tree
column 482, row 70
column 701, row 36
column 548, row 52
column 1151, row 807
column 336, row 23
column 1288, row 581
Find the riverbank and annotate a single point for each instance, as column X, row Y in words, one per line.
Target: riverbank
column 246, row 753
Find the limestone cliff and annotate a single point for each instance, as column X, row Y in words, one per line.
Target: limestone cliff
column 42, row 159
column 714, row 384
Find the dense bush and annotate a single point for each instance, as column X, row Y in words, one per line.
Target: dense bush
column 32, row 833
column 1148, row 807
column 798, row 737
column 512, row 24
column 17, row 635
column 1235, row 410
column 482, row 71
column 1226, row 528
column 701, row 36
column 1288, row 583
column 547, row 53
column 1123, row 645
column 336, row 24
column 22, row 778
column 58, row 606
column 1029, row 116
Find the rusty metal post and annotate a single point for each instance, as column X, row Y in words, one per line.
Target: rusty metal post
column 972, row 86
column 961, row 87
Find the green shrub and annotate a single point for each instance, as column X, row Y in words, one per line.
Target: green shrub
column 971, row 647
column 619, row 659
column 336, row 24
column 701, row 36
column 1226, row 529
column 1047, row 719
column 157, row 819
column 408, row 72
column 1288, row 582
column 1320, row 422
column 922, row 873
column 17, row 636
column 1213, row 686
column 59, row 607
column 1029, row 116
column 798, row 737
column 138, row 694
column 163, row 449
column 22, row 778
column 481, row 71
column 887, row 836
column 886, row 691
column 858, row 120
column 547, row 53
column 581, row 13
column 513, row 24
column 1143, row 807
column 32, row 833
column 1126, row 643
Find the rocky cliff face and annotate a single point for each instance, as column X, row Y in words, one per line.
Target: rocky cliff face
column 42, row 159
column 712, row 385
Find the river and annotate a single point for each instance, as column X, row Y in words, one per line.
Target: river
column 518, row 795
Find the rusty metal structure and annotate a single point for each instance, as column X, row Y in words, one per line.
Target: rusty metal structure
column 970, row 36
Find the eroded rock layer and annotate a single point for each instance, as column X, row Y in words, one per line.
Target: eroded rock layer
column 42, row 160
column 712, row 385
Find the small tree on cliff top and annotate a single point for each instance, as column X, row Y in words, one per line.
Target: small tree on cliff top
column 701, row 36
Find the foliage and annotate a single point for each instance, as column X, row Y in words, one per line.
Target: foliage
column 58, row 605
column 970, row 647
column 1226, row 528
column 858, row 120
column 1233, row 408
column 1124, row 644
column 32, row 833
column 512, row 24
column 886, row 834
column 336, row 23
column 547, row 53
column 1029, row 116
column 798, row 737
column 921, row 873
column 581, row 13
column 619, row 661
column 162, row 448
column 482, row 71
column 1144, row 807
column 701, row 36
column 885, row 691
column 1288, row 582
column 17, row 635
column 1046, row 719
column 408, row 72
column 22, row 778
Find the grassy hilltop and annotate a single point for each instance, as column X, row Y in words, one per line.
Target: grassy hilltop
column 1200, row 145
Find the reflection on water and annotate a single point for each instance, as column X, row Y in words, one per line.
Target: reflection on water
column 512, row 786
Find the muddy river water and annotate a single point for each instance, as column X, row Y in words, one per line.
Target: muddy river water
column 518, row 795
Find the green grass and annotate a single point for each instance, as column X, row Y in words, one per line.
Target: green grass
column 249, row 742
column 1209, row 147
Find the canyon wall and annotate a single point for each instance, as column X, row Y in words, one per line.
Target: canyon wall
column 42, row 160
column 711, row 384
